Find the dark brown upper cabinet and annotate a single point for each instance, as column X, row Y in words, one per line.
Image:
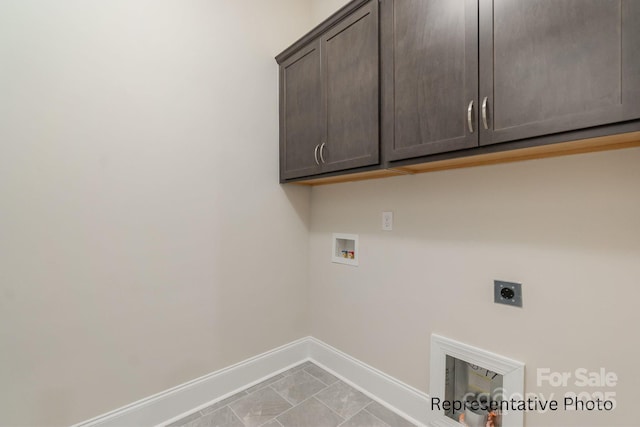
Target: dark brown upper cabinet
column 302, row 116
column 429, row 52
column 329, row 97
column 549, row 66
column 458, row 74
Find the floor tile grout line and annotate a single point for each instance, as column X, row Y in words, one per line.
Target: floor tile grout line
column 340, row 381
column 285, row 399
column 372, row 400
column 309, row 398
column 363, row 410
column 296, row 404
column 329, row 386
column 268, row 381
column 383, row 421
column 295, row 369
column 237, row 416
column 201, row 412
column 331, row 409
column 377, row 418
column 285, row 411
column 320, row 391
column 316, row 378
column 275, row 416
column 242, row 394
column 266, row 422
column 319, row 379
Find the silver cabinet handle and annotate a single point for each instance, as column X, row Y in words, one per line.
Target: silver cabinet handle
column 484, row 112
column 315, row 154
column 322, row 152
column 469, row 118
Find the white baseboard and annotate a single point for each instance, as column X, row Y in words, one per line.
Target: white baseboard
column 401, row 398
column 184, row 398
column 189, row 397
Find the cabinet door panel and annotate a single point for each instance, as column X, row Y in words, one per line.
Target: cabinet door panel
column 549, row 66
column 301, row 113
column 350, row 63
column 429, row 61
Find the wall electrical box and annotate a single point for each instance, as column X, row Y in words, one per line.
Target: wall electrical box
column 509, row 293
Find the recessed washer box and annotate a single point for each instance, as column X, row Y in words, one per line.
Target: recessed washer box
column 345, row 249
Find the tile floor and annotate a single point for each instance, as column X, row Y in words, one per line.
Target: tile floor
column 303, row 396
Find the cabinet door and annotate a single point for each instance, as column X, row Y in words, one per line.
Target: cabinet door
column 350, row 65
column 548, row 66
column 429, row 76
column 301, row 113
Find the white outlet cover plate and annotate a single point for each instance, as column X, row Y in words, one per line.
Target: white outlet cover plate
column 387, row 221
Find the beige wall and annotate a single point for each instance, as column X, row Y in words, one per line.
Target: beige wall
column 566, row 228
column 321, row 9
column 144, row 238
